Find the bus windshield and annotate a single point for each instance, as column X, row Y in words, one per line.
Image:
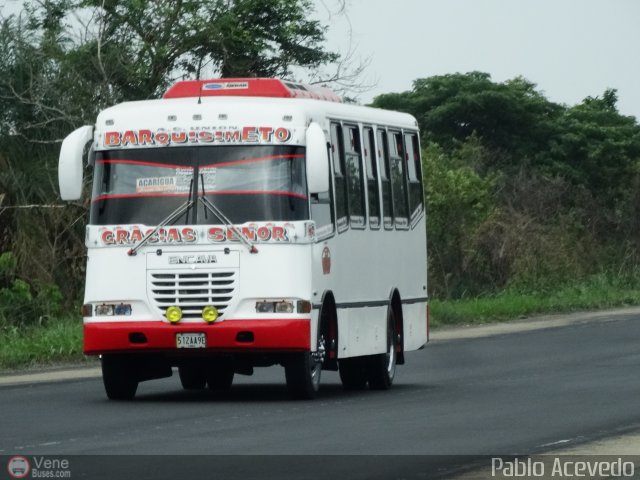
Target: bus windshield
column 247, row 183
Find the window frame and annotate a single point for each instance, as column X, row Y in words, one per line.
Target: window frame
column 346, row 126
column 340, row 224
column 376, row 175
column 381, row 133
column 399, row 221
column 414, row 215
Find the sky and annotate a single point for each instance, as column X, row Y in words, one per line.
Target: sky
column 570, row 49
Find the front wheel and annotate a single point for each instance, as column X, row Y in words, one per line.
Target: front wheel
column 303, row 371
column 119, row 375
column 219, row 375
column 192, row 377
column 381, row 368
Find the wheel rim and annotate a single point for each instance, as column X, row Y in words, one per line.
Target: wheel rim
column 391, row 353
column 317, row 359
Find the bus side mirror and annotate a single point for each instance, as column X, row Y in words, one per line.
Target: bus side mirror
column 70, row 162
column 317, row 160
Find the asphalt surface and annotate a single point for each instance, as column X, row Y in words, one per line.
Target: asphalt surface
column 509, row 394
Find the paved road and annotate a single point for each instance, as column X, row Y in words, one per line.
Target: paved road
column 501, row 395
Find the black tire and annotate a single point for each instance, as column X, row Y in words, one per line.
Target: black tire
column 219, row 375
column 353, row 373
column 303, row 370
column 119, row 375
column 381, row 368
column 303, row 376
column 192, row 377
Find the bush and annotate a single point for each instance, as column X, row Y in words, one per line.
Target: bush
column 22, row 304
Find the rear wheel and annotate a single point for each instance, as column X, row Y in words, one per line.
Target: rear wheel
column 119, row 375
column 192, row 377
column 381, row 368
column 353, row 373
column 303, row 370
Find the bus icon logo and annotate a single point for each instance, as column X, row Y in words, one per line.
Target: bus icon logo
column 18, row 467
column 326, row 261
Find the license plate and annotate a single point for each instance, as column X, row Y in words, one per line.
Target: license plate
column 191, row 340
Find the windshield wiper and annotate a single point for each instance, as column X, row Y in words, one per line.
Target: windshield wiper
column 170, row 218
column 221, row 216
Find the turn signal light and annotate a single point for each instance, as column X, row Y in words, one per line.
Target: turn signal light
column 304, row 306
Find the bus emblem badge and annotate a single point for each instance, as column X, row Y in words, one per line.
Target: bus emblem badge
column 326, row 261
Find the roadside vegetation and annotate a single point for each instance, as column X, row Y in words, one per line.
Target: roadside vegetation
column 533, row 207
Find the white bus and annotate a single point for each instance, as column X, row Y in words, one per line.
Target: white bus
column 239, row 223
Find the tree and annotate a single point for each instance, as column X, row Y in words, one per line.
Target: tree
column 62, row 61
column 512, row 118
column 150, row 42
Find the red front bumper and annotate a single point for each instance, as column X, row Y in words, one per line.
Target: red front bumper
column 268, row 335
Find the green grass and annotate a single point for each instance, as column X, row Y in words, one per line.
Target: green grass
column 55, row 342
column 60, row 341
column 597, row 292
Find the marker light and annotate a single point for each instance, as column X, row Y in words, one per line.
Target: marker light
column 173, row 314
column 210, row 314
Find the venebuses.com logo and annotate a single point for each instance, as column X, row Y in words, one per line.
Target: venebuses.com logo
column 38, row 467
column 18, row 467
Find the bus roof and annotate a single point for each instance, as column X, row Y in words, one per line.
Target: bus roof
column 249, row 87
column 179, row 112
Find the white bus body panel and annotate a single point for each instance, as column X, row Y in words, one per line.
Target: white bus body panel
column 366, row 265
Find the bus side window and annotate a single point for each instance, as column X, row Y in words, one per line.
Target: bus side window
column 353, row 166
column 322, row 210
column 337, row 152
column 414, row 174
column 400, row 204
column 372, row 178
column 385, row 177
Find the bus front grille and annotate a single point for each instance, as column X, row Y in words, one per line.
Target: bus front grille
column 192, row 291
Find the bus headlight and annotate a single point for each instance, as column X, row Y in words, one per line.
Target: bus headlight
column 282, row 306
column 104, row 310
column 107, row 309
column 173, row 314
column 210, row 314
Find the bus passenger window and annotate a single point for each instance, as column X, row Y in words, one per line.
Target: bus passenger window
column 400, row 205
column 372, row 178
column 337, row 152
column 354, row 176
column 385, row 177
column 414, row 174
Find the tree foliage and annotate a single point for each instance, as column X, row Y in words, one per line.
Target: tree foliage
column 523, row 191
column 62, row 61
